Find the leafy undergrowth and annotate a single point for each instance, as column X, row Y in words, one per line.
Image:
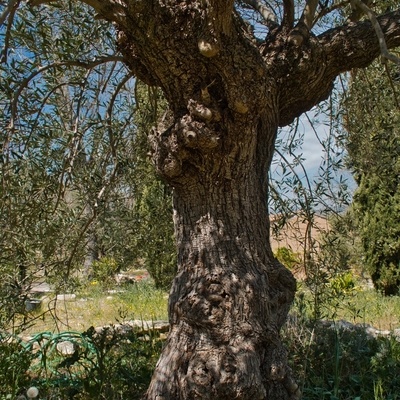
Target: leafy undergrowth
column 329, row 363
column 72, row 365
column 335, row 363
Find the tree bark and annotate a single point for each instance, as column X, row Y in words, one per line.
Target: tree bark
column 228, row 94
column 231, row 296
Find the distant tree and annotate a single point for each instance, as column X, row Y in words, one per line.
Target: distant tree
column 232, row 74
column 154, row 240
column 373, row 144
column 70, row 171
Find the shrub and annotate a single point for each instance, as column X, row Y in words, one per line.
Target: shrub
column 343, row 363
column 112, row 364
column 14, row 364
column 103, row 270
column 288, row 257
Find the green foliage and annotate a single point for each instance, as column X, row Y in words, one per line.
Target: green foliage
column 156, row 236
column 375, row 205
column 288, row 257
column 153, row 203
column 75, row 177
column 343, row 363
column 373, row 144
column 61, row 153
column 14, row 364
column 342, row 284
column 325, row 294
column 339, row 246
column 103, row 270
column 106, row 365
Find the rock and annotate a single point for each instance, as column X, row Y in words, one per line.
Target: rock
column 66, row 348
column 32, row 392
column 396, row 334
column 66, row 297
column 138, row 326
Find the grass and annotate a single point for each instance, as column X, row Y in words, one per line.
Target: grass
column 371, row 307
column 357, row 305
column 339, row 363
column 95, row 306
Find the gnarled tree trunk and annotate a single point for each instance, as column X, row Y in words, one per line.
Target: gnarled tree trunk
column 228, row 93
column 231, row 296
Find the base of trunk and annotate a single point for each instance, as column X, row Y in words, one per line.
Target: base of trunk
column 224, row 340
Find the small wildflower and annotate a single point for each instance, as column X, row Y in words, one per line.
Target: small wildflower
column 32, row 392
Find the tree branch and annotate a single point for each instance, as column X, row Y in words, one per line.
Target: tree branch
column 338, row 50
column 266, row 12
column 378, row 30
column 288, row 13
column 327, row 10
column 25, row 83
column 308, row 15
column 109, row 115
column 7, row 10
column 356, row 45
column 304, row 25
column 111, row 10
column 4, row 52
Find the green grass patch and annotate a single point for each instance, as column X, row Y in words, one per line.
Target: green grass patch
column 95, row 305
column 354, row 304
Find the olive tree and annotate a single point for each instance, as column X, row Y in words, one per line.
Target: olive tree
column 230, row 83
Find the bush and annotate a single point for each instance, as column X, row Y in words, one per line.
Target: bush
column 112, row 365
column 15, row 362
column 342, row 284
column 288, row 257
column 103, row 270
column 343, row 363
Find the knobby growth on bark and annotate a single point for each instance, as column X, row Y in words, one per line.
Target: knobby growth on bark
column 228, row 93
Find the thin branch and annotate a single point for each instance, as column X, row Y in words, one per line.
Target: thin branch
column 109, row 114
column 288, row 13
column 327, row 10
column 307, row 18
column 8, row 31
column 266, row 12
column 71, row 63
column 396, row 99
column 9, row 7
column 38, row 113
column 111, row 10
column 92, row 218
column 378, row 30
column 77, row 136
